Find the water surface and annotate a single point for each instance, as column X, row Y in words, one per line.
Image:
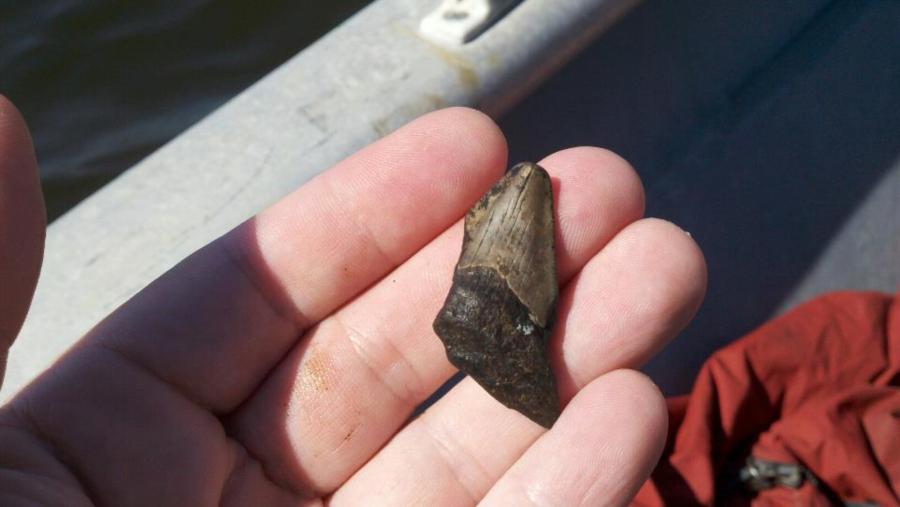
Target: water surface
column 104, row 83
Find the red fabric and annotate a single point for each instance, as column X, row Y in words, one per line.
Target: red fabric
column 819, row 387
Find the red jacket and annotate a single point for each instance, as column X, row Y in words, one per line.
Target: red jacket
column 818, row 387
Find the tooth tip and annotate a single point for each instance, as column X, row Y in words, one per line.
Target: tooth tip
column 526, row 169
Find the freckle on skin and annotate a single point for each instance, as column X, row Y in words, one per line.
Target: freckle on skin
column 315, row 372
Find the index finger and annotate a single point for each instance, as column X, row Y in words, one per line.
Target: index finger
column 214, row 325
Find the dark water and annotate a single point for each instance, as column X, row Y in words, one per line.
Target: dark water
column 104, row 83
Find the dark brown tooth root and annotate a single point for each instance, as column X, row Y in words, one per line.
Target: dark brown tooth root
column 496, row 321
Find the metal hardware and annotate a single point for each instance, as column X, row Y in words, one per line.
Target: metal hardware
column 456, row 22
column 759, row 475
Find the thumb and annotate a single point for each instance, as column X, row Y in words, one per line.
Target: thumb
column 22, row 225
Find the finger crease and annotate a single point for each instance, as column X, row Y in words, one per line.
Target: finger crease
column 137, row 365
column 288, row 312
column 34, row 428
column 242, row 458
column 455, row 457
column 365, row 231
column 356, row 338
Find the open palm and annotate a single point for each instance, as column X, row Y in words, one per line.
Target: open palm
column 280, row 364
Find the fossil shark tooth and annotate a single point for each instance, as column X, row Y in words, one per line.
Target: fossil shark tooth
column 496, row 321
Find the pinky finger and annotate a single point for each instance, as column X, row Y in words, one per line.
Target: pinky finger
column 599, row 452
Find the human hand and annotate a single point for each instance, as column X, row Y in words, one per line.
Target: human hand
column 279, row 364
